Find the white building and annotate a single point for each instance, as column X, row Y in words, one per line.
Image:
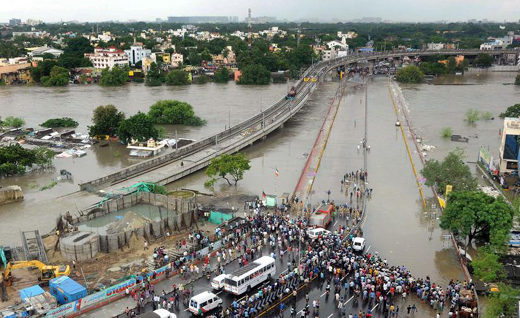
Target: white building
column 177, row 59
column 40, row 51
column 509, row 148
column 435, row 46
column 137, row 53
column 337, row 45
column 110, row 57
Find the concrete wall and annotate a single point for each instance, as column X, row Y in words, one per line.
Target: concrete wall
column 11, row 194
column 74, row 247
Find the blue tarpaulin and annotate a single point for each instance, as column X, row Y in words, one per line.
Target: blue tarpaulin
column 31, row 292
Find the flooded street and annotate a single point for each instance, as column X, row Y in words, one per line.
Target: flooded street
column 396, row 226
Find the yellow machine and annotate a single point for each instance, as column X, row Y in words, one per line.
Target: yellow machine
column 47, row 272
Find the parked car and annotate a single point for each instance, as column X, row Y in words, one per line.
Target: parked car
column 358, row 244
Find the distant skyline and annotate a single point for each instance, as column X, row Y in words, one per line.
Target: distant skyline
column 328, row 10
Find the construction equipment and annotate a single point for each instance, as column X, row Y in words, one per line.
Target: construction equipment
column 47, row 272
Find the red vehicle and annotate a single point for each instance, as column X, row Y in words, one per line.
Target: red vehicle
column 322, row 218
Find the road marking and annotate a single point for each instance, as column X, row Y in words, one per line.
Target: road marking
column 348, row 300
column 335, row 223
column 323, row 294
column 375, row 306
column 368, row 248
column 218, row 292
column 330, row 315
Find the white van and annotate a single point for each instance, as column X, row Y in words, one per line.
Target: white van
column 204, row 302
column 159, row 313
column 218, row 282
column 317, row 232
column 358, row 244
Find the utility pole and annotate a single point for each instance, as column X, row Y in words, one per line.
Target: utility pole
column 249, row 30
column 298, row 34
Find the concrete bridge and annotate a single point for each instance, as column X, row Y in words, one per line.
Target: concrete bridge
column 173, row 166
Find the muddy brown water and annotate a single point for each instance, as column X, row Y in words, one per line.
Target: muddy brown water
column 397, row 226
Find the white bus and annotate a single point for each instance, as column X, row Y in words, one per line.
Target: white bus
column 247, row 277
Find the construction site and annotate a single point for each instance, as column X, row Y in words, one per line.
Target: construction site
column 108, row 243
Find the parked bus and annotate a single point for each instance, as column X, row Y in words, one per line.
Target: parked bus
column 322, row 218
column 247, row 277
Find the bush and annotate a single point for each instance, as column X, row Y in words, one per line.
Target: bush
column 177, row 77
column 174, row 112
column 472, row 116
column 511, row 111
column 202, row 79
column 139, row 127
column 14, row 122
column 279, row 78
column 410, row 75
column 517, row 80
column 60, row 122
column 138, row 80
column 222, row 75
column 446, row 132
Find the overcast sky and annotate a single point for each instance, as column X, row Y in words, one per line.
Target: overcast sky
column 397, row 10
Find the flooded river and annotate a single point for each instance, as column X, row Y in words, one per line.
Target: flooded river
column 397, row 226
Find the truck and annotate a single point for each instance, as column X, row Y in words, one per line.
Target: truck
column 322, row 217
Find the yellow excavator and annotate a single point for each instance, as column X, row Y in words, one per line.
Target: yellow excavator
column 47, row 272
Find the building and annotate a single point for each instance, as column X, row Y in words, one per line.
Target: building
column 32, row 22
column 177, row 59
column 337, row 45
column 371, row 20
column 40, row 51
column 15, row 22
column 110, row 57
column 509, row 145
column 498, row 43
column 435, row 46
column 137, row 53
column 15, row 73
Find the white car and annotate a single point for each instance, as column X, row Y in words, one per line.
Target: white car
column 358, row 244
column 317, row 232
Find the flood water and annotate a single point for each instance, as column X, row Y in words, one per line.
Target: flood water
column 397, row 226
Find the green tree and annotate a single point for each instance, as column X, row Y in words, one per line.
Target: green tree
column 42, row 69
column 502, row 303
column 228, row 167
column 483, row 60
column 410, row 74
column 451, row 171
column 433, row 68
column 60, row 122
column 106, row 120
column 14, row 122
column 14, row 160
column 174, row 112
column 517, row 80
column 154, row 76
column 117, row 76
column 177, row 77
column 511, row 111
column 487, row 266
column 255, row 74
column 59, row 76
column 471, row 214
column 43, row 156
column 202, row 79
column 139, row 127
column 222, row 75
column 452, row 65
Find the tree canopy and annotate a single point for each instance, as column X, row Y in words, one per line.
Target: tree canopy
column 117, row 76
column 512, row 111
column 59, row 76
column 221, row 76
column 177, row 77
column 255, row 74
column 502, row 303
column 450, row 171
column 487, row 266
column 410, row 74
column 471, row 214
column 13, row 122
column 139, row 127
column 14, row 159
column 174, row 112
column 227, row 167
column 483, row 60
column 154, row 76
column 106, row 120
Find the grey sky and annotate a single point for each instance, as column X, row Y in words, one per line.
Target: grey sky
column 399, row 10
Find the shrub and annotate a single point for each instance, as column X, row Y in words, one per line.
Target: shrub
column 174, row 112
column 279, row 78
column 486, row 116
column 517, row 80
column 14, row 122
column 222, row 75
column 117, row 76
column 472, row 116
column 177, row 77
column 446, row 132
column 60, row 122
